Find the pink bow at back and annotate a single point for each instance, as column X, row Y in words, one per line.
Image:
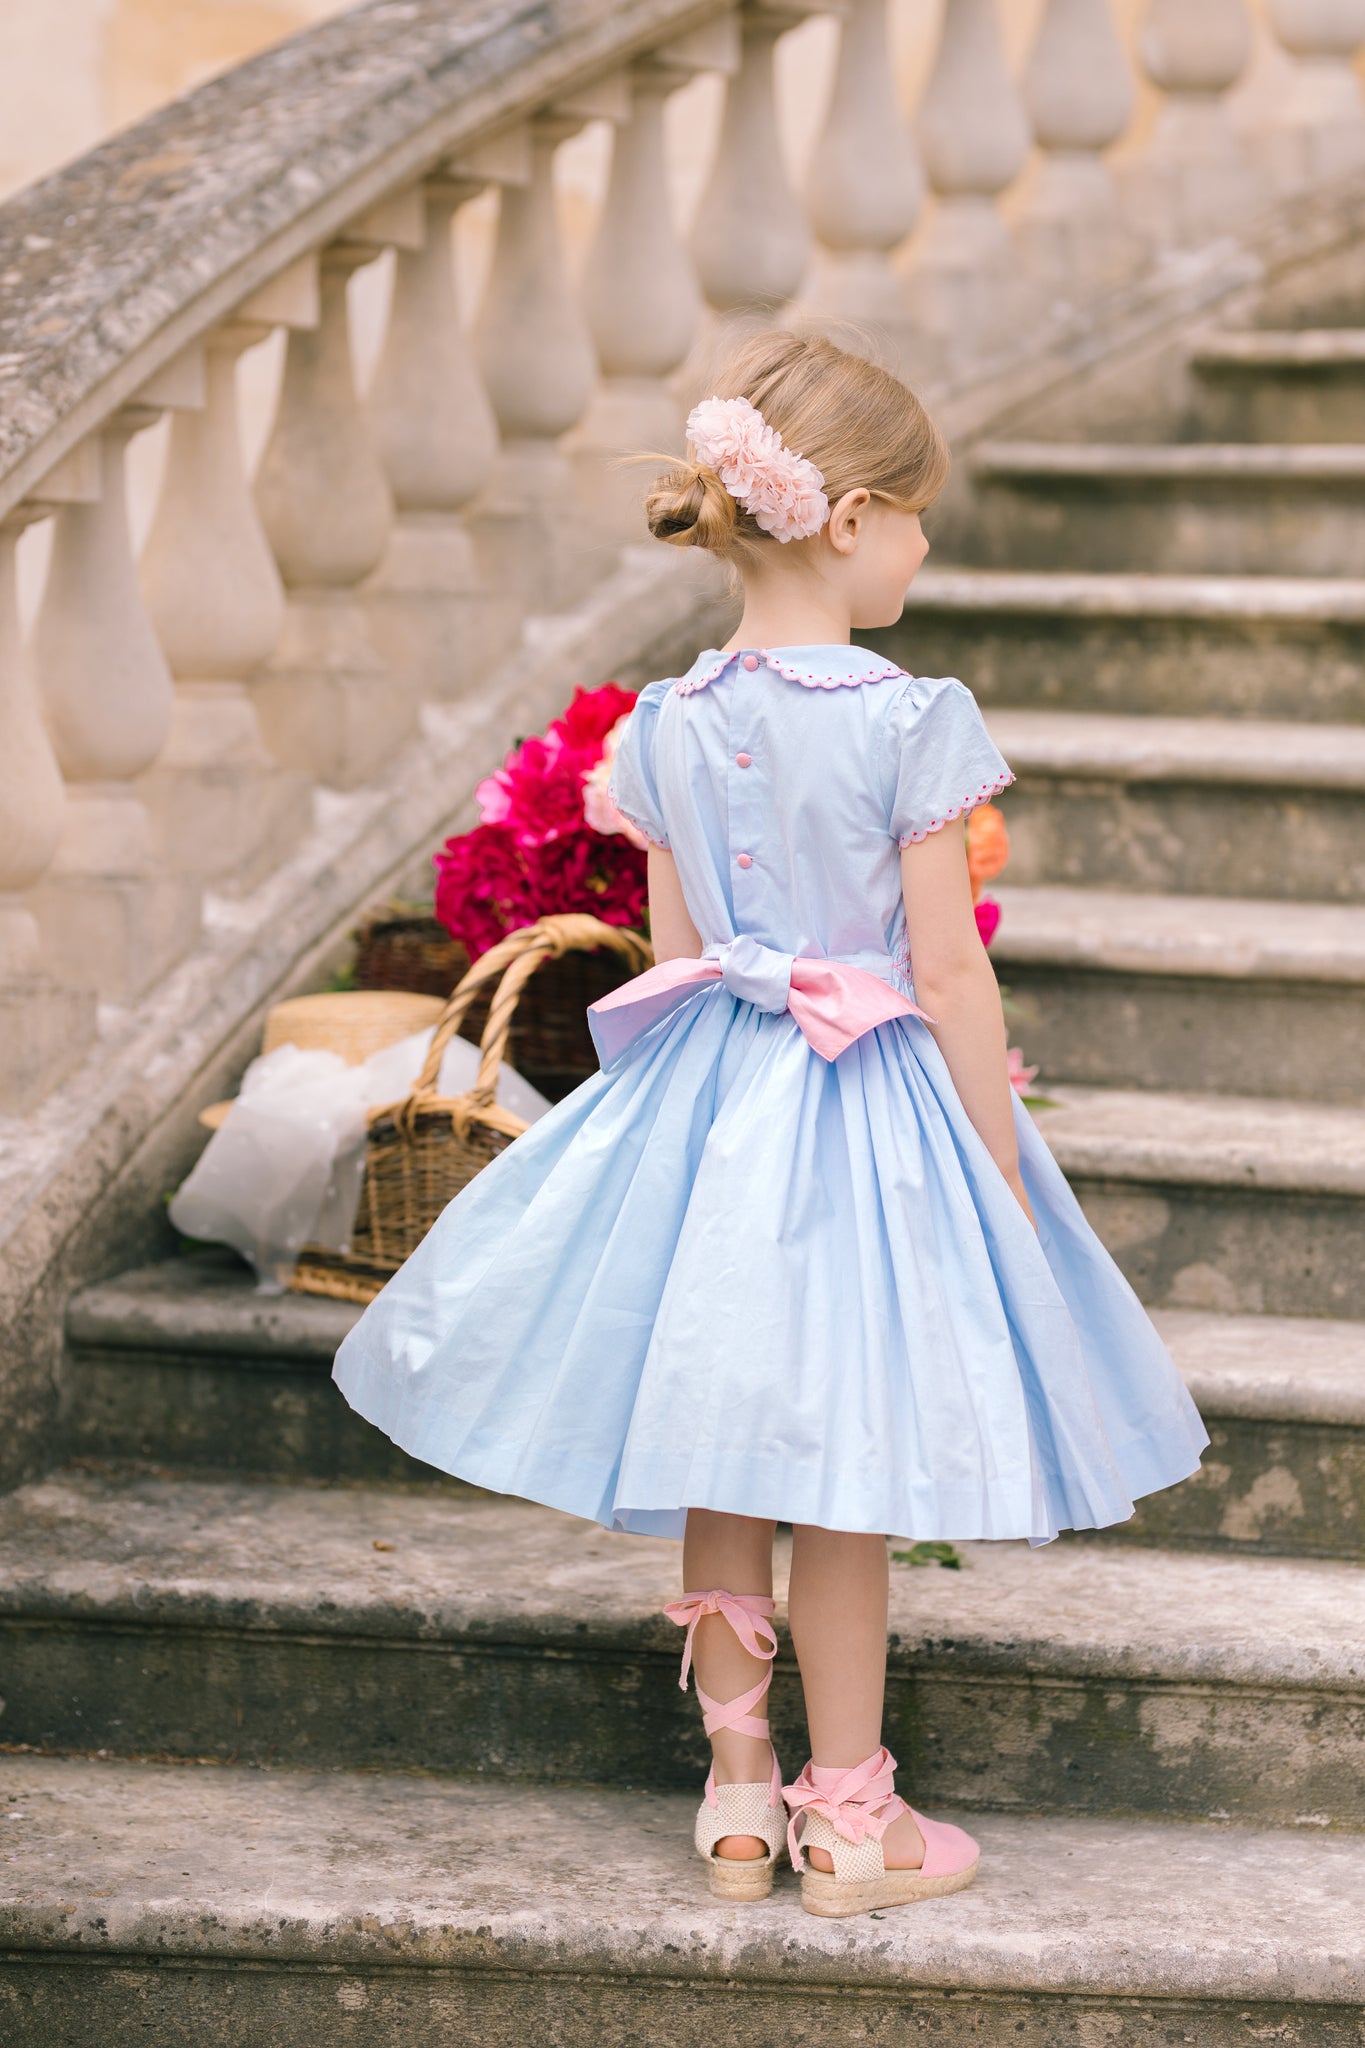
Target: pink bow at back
column 832, row 1001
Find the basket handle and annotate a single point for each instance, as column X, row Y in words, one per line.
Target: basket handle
column 512, row 962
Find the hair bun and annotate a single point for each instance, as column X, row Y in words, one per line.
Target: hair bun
column 691, row 508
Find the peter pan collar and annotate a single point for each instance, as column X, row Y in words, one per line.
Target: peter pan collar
column 815, row 668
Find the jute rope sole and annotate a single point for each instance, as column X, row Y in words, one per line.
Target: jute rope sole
column 744, row 1881
column 833, row 1898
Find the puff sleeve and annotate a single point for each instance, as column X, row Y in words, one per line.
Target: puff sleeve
column 634, row 789
column 944, row 762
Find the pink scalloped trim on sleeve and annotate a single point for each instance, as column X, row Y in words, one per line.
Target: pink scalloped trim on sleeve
column 638, row 823
column 969, row 803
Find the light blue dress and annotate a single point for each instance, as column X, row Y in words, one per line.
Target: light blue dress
column 727, row 1272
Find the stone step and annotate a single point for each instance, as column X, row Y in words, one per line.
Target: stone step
column 1211, row 806
column 165, row 1377
column 1284, row 1401
column 348, row 1626
column 1118, row 989
column 1231, row 349
column 1221, row 508
column 1274, row 647
column 195, row 1387
column 1241, row 1204
column 185, row 1364
column 165, row 1905
column 1296, row 384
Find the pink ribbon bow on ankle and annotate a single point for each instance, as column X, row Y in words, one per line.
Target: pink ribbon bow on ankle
column 749, row 1615
column 847, row 1799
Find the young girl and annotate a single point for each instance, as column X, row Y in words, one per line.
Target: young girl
column 797, row 1253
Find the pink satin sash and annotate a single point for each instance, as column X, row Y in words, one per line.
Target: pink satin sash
column 832, row 1001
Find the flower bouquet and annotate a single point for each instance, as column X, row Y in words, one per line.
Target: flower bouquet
column 549, row 840
column 549, row 837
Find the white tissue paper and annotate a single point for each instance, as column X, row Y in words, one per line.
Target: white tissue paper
column 284, row 1169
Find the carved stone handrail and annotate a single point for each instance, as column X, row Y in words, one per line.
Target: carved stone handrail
column 112, row 265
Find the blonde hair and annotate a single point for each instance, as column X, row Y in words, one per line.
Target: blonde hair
column 858, row 424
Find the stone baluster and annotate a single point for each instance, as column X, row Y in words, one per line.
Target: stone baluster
column 44, row 1026
column 539, row 368
column 222, row 809
column 975, row 139
column 750, row 238
column 328, row 704
column 1319, row 127
column 1194, row 177
column 111, row 912
column 641, row 298
column 433, row 618
column 1079, row 92
column 864, row 183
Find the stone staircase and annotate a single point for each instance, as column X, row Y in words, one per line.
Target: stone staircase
column 303, row 1743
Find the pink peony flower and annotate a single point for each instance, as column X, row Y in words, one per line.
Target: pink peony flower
column 1020, row 1075
column 545, row 843
column 598, row 808
column 987, row 919
column 592, row 716
column 482, row 888
column 539, row 791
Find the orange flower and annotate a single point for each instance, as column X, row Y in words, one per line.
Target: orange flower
column 988, row 845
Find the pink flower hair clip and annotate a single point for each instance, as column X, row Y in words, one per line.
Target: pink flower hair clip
column 784, row 492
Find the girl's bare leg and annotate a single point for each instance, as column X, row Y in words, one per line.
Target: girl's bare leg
column 836, row 1607
column 736, row 1552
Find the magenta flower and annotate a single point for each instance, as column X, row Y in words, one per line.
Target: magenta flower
column 543, row 844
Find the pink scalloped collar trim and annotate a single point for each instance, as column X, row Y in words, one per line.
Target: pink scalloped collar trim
column 815, row 668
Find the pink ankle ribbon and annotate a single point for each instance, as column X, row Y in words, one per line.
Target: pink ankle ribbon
column 832, row 1001
column 847, row 1799
column 750, row 1616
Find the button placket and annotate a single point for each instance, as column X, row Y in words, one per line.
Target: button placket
column 750, row 662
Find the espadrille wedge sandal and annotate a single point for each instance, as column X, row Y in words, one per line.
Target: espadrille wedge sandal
column 846, row 1813
column 736, row 1809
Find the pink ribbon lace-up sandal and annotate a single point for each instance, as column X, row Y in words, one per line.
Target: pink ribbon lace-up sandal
column 846, row 1813
column 736, row 1809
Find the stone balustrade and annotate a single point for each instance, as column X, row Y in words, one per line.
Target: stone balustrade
column 165, row 723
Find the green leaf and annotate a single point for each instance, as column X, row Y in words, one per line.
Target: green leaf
column 931, row 1553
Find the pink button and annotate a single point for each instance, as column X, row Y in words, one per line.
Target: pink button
column 744, row 760
column 751, row 661
column 744, row 860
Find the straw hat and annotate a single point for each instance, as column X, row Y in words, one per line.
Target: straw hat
column 353, row 1023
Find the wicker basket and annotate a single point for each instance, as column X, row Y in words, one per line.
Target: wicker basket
column 402, row 946
column 421, row 1152
column 399, row 947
